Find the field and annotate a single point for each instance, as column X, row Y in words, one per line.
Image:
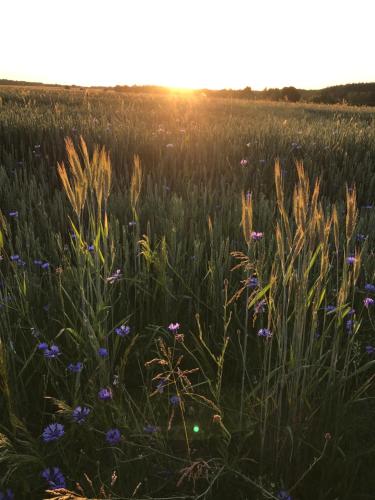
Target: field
column 186, row 297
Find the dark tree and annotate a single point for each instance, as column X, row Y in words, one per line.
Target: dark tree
column 290, row 94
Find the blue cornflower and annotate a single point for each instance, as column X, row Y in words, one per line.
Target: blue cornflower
column 369, row 287
column 38, row 262
column 351, row 259
column 252, row 282
column 150, row 429
column 265, row 332
column 103, row 352
column 105, row 394
column 14, row 213
column 160, row 387
column 122, row 330
column 174, row 400
column 43, row 346
column 329, row 308
column 7, row 495
column 45, row 265
column 368, row 301
column 53, row 432
column 14, row 258
column 80, row 413
column 54, row 477
column 113, row 436
column 370, row 349
column 90, row 248
column 361, row 237
column 75, row 368
column 52, row 352
column 283, row 495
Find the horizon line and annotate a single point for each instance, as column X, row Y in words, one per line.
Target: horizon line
column 172, row 87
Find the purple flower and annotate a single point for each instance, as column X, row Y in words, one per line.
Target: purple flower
column 43, row 346
column 113, row 436
column 7, row 495
column 370, row 349
column 80, row 413
column 361, row 237
column 265, row 332
column 329, row 308
column 174, row 400
column 14, row 213
column 38, row 262
column 52, row 352
column 283, row 495
column 105, row 394
column 122, row 330
column 54, row 477
column 53, row 432
column 14, row 258
column 103, row 352
column 45, row 265
column 368, row 301
column 256, row 236
column 252, row 282
column 90, row 248
column 243, row 162
column 174, row 327
column 351, row 259
column 369, row 287
column 132, row 223
column 75, row 368
column 150, row 429
column 160, row 387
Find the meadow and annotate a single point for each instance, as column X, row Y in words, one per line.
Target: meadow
column 187, row 297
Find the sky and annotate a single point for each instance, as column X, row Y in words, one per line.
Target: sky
column 188, row 43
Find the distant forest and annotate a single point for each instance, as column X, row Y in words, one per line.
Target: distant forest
column 358, row 94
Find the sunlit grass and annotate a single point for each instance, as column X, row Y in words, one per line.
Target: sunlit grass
column 123, row 216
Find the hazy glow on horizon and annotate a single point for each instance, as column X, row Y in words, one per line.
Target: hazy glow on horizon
column 189, row 43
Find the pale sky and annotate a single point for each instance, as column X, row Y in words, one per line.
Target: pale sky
column 189, row 43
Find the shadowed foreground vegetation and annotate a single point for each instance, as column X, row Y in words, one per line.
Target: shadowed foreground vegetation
column 186, row 297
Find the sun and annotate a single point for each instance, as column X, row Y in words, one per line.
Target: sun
column 181, row 91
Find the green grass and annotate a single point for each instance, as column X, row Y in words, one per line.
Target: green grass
column 292, row 412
